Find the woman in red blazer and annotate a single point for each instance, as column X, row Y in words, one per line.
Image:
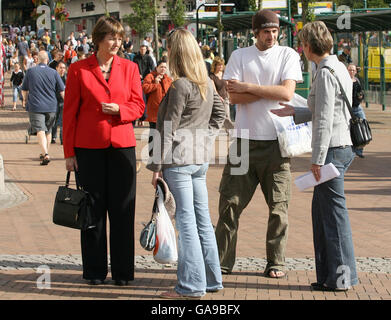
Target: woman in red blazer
column 103, row 96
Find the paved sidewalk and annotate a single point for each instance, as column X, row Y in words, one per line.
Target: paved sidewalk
column 29, row 239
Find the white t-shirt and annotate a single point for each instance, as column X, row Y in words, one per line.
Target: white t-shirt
column 266, row 68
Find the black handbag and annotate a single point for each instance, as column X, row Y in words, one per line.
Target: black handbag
column 148, row 234
column 360, row 132
column 73, row 207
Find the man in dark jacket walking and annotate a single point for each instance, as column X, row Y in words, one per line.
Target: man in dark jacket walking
column 144, row 61
column 145, row 65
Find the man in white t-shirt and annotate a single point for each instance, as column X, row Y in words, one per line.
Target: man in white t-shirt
column 258, row 78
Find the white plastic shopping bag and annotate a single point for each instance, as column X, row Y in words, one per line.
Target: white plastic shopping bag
column 165, row 249
column 293, row 139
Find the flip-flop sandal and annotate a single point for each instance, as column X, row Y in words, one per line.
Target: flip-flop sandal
column 45, row 160
column 267, row 274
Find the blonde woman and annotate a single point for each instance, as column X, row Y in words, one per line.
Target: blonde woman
column 188, row 115
column 216, row 74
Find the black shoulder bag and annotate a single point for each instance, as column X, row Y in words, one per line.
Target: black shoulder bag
column 73, row 207
column 360, row 132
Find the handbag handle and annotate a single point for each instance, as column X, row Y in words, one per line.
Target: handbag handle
column 343, row 92
column 76, row 179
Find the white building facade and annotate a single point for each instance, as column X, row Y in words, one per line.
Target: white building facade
column 85, row 13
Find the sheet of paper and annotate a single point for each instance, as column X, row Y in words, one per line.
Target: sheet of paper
column 307, row 180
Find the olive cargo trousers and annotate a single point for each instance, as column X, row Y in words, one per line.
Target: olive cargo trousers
column 267, row 168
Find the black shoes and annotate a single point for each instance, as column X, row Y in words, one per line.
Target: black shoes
column 95, row 282
column 121, row 282
column 321, row 287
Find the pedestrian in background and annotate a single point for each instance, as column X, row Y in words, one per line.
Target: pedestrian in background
column 103, row 96
column 191, row 107
column 216, row 74
column 16, row 83
column 39, row 88
column 357, row 98
column 155, row 86
column 61, row 69
column 146, row 65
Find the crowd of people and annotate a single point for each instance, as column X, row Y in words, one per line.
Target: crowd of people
column 95, row 89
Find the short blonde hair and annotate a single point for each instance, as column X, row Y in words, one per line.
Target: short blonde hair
column 217, row 61
column 104, row 26
column 186, row 60
column 317, row 36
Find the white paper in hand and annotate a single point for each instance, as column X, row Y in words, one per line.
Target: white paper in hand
column 307, row 180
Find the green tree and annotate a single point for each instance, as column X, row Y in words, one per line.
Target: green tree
column 176, row 12
column 360, row 4
column 220, row 28
column 142, row 18
column 253, row 5
column 307, row 16
column 104, row 4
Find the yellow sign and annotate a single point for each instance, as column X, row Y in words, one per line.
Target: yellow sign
column 319, row 7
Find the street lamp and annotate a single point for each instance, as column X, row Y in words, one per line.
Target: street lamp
column 52, row 21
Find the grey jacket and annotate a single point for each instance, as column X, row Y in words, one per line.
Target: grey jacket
column 186, row 126
column 327, row 109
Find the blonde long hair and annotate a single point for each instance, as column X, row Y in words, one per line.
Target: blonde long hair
column 186, row 60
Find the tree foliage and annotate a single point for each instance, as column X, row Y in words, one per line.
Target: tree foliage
column 360, row 4
column 176, row 11
column 142, row 18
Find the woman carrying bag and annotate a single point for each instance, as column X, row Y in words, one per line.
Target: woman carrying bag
column 331, row 143
column 102, row 97
column 189, row 115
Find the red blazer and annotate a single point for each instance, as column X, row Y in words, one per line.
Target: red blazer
column 84, row 123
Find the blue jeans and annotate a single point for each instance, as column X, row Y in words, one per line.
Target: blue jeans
column 58, row 122
column 333, row 243
column 359, row 113
column 17, row 92
column 198, row 260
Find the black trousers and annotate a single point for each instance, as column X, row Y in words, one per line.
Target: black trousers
column 109, row 175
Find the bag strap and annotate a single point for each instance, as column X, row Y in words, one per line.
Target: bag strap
column 77, row 179
column 342, row 91
column 68, row 178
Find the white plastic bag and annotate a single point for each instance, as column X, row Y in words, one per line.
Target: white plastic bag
column 293, row 139
column 165, row 249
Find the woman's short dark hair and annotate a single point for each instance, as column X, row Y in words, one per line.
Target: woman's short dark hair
column 104, row 26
